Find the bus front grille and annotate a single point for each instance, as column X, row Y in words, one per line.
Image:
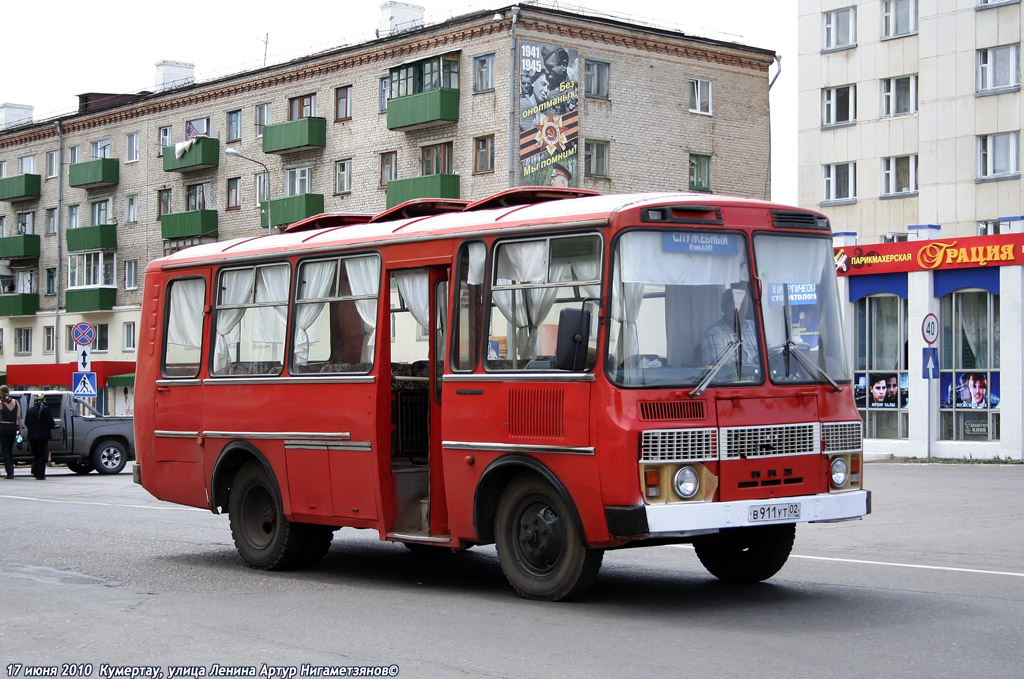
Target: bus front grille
column 679, row 445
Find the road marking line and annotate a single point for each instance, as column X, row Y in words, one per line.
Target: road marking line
column 891, row 563
column 101, row 504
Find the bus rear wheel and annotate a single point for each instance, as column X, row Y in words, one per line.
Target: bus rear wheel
column 540, row 546
column 263, row 537
column 746, row 554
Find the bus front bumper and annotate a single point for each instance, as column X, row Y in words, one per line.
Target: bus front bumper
column 681, row 519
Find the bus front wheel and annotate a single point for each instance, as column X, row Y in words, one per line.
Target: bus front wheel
column 264, row 538
column 540, row 546
column 746, row 554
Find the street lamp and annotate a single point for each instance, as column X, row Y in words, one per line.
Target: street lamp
column 235, row 152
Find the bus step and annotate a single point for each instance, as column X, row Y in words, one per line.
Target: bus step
column 417, row 537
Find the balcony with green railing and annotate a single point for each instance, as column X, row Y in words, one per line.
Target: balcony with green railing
column 19, row 304
column 93, row 174
column 19, row 247
column 203, row 154
column 20, row 187
column 101, row 237
column 297, row 135
column 429, row 186
column 425, row 109
column 90, row 299
column 287, row 210
column 189, row 224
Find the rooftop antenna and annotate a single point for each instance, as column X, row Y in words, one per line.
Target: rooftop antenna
column 265, row 41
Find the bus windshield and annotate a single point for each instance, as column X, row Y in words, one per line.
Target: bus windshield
column 800, row 309
column 681, row 310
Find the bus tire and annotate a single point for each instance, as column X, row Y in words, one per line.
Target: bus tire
column 262, row 536
column 318, row 543
column 109, row 457
column 540, row 545
column 745, row 555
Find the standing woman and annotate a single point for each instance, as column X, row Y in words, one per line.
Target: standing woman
column 10, row 426
column 39, row 422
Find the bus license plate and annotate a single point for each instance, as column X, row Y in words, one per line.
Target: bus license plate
column 780, row 512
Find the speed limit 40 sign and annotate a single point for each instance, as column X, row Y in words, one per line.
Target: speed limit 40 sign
column 930, row 328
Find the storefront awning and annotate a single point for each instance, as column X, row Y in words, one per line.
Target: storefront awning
column 950, row 280
column 874, row 284
column 125, row 380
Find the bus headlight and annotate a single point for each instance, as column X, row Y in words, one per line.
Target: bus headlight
column 686, row 482
column 840, row 471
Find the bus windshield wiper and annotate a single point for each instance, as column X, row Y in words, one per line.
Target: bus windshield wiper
column 715, row 367
column 793, row 349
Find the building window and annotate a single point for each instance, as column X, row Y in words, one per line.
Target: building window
column 595, row 158
column 838, row 105
column 298, row 181
column 483, row 73
column 998, row 68
column 899, row 17
column 163, row 203
column 72, row 155
column 899, row 96
column 262, row 188
column 234, row 125
column 969, row 377
column 483, row 154
column 384, row 93
column 700, row 96
column 998, row 155
column 27, row 164
column 343, row 103
column 72, row 216
column 425, row 76
column 23, row 340
column 51, row 220
column 51, row 281
column 100, row 149
column 128, row 336
column 131, row 148
column 131, row 209
column 100, row 213
column 302, row 107
column 839, row 28
column 881, row 383
column 198, row 197
column 343, row 176
column 899, row 175
column 839, row 182
column 3, row 169
column 262, row 118
column 91, row 269
column 3, row 225
column 700, row 172
column 131, row 274
column 595, row 79
column 69, row 341
column 388, row 167
column 101, row 342
column 165, row 135
column 197, row 127
column 25, row 282
column 436, row 159
column 234, row 202
column 49, row 339
column 52, row 164
column 26, row 223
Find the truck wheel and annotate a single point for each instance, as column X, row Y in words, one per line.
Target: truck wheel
column 746, row 554
column 540, row 546
column 109, row 457
column 80, row 467
column 263, row 537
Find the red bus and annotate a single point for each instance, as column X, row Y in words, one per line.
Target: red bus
column 556, row 372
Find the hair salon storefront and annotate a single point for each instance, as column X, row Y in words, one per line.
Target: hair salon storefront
column 934, row 330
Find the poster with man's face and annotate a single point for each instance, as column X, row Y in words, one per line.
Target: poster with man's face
column 548, row 115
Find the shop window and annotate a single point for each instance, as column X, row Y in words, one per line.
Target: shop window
column 881, row 383
column 969, row 380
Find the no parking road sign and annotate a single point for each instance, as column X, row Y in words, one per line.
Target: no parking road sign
column 83, row 333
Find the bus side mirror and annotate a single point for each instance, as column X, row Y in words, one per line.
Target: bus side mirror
column 573, row 339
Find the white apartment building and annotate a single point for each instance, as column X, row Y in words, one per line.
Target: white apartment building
column 525, row 95
column 910, row 121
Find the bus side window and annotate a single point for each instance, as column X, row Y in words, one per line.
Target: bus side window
column 183, row 330
column 467, row 325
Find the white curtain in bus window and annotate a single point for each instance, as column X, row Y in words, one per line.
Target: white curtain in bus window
column 251, row 314
column 184, row 328
column 520, row 263
column 364, row 279
column 415, row 290
column 316, row 282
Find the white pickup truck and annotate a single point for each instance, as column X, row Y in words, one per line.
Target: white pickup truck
column 83, row 439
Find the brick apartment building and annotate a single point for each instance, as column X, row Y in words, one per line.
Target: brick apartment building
column 525, row 95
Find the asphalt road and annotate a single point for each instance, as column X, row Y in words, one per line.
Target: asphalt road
column 93, row 570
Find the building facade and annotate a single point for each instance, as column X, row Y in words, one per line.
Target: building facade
column 526, row 95
column 910, row 120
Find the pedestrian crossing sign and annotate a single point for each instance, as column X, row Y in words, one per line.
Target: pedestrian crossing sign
column 83, row 384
